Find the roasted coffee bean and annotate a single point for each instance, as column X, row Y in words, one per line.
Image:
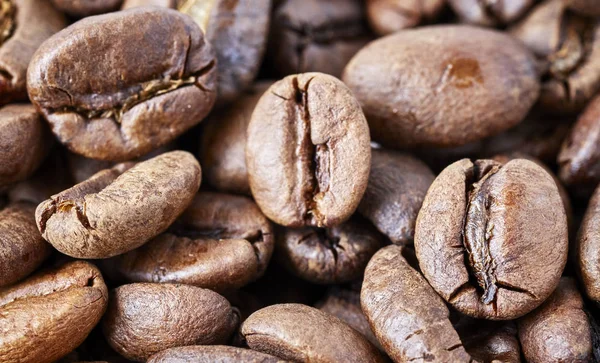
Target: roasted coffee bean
column 490, row 341
column 223, row 144
column 316, row 35
column 397, row 186
column 588, row 249
column 568, row 47
column 136, row 98
column 584, row 7
column 211, row 354
column 221, row 242
column 408, row 318
column 144, row 319
column 474, row 83
column 490, row 12
column 48, row 315
column 300, row 333
column 492, row 239
column 390, row 16
column 83, row 8
column 559, row 330
column 308, row 151
column 120, row 209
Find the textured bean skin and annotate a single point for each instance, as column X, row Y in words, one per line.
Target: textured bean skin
column 211, row 354
column 83, row 8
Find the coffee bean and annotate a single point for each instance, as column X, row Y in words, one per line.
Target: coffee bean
column 141, row 97
column 300, row 333
column 83, row 8
column 308, row 153
column 490, row 341
column 492, row 239
column 210, row 354
column 490, row 12
column 48, row 315
column 588, row 249
column 120, row 209
column 145, row 318
column 390, row 16
column 474, row 83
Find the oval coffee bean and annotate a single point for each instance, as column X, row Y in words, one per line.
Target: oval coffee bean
column 144, row 319
column 303, row 334
column 588, row 249
column 490, row 12
column 211, row 354
column 409, row 319
column 397, row 186
column 308, row 161
column 221, row 242
column 492, row 239
column 559, row 330
column 390, row 16
column 48, row 315
column 413, row 101
column 138, row 97
column 119, row 209
column 490, row 341
column 22, row 248
column 83, row 8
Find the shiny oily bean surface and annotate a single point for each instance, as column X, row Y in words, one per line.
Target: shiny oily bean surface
column 120, row 209
column 212, row 354
column 490, row 341
column 490, row 12
column 48, row 315
column 389, row 16
column 300, row 333
column 145, row 318
column 588, row 249
column 474, row 83
column 83, row 8
column 308, row 161
column 148, row 94
column 492, row 239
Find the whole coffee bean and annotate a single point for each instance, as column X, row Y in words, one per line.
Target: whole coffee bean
column 22, row 248
column 83, row 8
column 316, row 35
column 24, row 142
column 408, row 318
column 490, row 341
column 24, row 25
column 48, row 315
column 390, row 16
column 492, row 239
column 223, row 144
column 135, row 98
column 568, row 48
column 328, row 255
column 490, row 12
column 303, row 334
column 397, row 186
column 221, row 242
column 308, row 151
column 413, row 101
column 559, row 330
column 144, row 319
column 120, row 209
column 588, row 249
column 584, row 7
column 211, row 354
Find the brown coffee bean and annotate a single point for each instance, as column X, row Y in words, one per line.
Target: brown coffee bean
column 559, row 330
column 490, row 12
column 303, row 334
column 390, row 16
column 147, row 94
column 221, row 242
column 83, row 8
column 584, row 7
column 588, row 249
column 211, row 354
column 308, row 151
column 144, row 319
column 48, row 315
column 120, row 209
column 490, row 341
column 408, row 318
column 397, row 186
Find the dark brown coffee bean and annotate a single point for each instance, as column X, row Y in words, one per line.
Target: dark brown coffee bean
column 22, row 248
column 136, row 98
column 397, row 186
column 588, row 249
column 492, row 239
column 411, row 100
column 584, row 7
column 490, row 341
column 490, row 12
column 559, row 330
column 144, row 319
column 308, row 151
column 48, row 315
column 221, row 242
column 390, row 16
column 211, row 354
column 303, row 334
column 83, row 8
column 120, row 209
column 409, row 319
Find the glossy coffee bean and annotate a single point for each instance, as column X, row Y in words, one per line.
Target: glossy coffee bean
column 138, row 97
column 490, row 12
column 83, row 8
column 211, row 354
column 144, row 319
column 390, row 16
column 492, row 239
column 48, row 315
column 308, row 152
column 588, row 249
column 474, row 83
column 490, row 341
column 300, row 333
column 408, row 318
column 120, row 209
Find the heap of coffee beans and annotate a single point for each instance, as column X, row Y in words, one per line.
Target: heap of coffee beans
column 299, row 181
